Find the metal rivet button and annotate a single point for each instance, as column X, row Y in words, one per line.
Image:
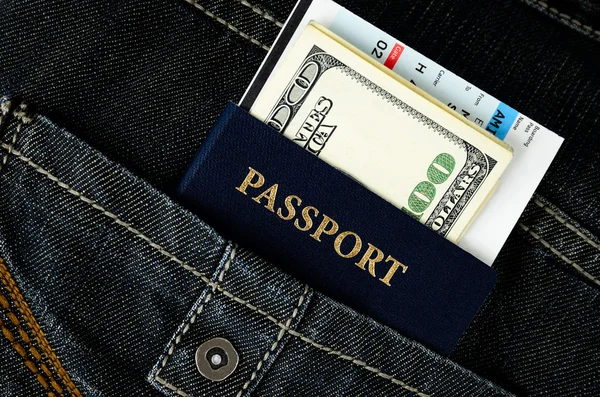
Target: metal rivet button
column 216, row 359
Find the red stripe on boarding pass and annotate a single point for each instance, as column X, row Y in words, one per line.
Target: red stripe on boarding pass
column 391, row 60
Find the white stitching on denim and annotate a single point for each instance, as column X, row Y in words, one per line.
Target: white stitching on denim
column 327, row 349
column 170, row 386
column 227, row 24
column 566, row 223
column 21, row 115
column 559, row 254
column 103, row 211
column 4, row 107
column 187, row 326
column 262, row 13
column 274, row 345
column 566, row 17
column 10, row 147
column 172, row 257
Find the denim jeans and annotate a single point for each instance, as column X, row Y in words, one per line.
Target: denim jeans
column 108, row 286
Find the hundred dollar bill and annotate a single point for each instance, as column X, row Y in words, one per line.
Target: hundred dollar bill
column 356, row 115
column 534, row 145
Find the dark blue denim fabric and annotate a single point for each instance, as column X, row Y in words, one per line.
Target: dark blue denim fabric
column 142, row 82
column 127, row 285
column 580, row 15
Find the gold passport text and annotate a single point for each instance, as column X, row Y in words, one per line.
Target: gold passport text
column 308, row 217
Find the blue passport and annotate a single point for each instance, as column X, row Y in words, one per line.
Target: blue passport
column 267, row 193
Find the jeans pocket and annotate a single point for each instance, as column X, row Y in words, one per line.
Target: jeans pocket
column 127, row 285
column 544, row 315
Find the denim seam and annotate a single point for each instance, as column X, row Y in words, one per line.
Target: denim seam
column 193, row 270
column 33, row 361
column 560, row 254
column 29, row 319
column 227, row 24
column 262, row 13
column 574, row 23
column 4, row 108
column 192, row 320
column 21, row 115
column 282, row 332
column 103, row 211
column 319, row 346
column 567, row 224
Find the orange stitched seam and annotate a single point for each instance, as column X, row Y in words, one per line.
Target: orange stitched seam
column 44, row 377
column 39, row 335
